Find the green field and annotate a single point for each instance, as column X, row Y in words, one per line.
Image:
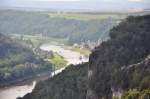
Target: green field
column 89, row 16
column 57, row 61
column 38, row 40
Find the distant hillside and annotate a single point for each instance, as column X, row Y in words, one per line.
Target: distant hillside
column 18, row 62
column 118, row 69
column 73, row 26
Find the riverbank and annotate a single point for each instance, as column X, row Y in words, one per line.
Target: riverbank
column 24, row 87
column 72, row 57
column 19, row 89
column 57, row 61
column 26, row 80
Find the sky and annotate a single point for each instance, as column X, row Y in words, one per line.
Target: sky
column 79, row 4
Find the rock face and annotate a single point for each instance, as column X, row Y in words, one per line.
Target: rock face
column 120, row 63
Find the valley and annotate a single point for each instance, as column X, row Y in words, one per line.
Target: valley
column 19, row 90
column 117, row 69
column 74, row 55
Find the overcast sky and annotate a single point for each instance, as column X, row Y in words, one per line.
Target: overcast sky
column 79, row 4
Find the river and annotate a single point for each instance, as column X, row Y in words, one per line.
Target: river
column 71, row 57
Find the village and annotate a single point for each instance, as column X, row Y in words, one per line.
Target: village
column 88, row 45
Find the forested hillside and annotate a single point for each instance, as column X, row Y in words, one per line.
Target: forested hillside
column 111, row 63
column 17, row 62
column 73, row 26
column 70, row 84
column 119, row 68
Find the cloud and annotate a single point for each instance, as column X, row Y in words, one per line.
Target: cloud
column 136, row 0
column 53, row 0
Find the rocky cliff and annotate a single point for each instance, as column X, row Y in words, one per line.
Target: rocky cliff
column 119, row 68
column 114, row 65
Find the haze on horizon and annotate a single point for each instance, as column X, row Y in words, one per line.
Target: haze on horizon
column 79, row 4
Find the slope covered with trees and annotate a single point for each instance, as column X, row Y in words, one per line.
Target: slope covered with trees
column 70, row 84
column 128, row 45
column 73, row 26
column 119, row 68
column 17, row 62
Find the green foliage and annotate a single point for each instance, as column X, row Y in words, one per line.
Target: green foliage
column 36, row 40
column 57, row 61
column 134, row 94
column 128, row 45
column 87, row 16
column 145, row 94
column 131, row 94
column 70, row 84
column 114, row 97
column 120, row 63
column 18, row 62
column 56, row 26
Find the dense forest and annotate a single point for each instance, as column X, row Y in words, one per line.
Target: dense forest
column 74, row 27
column 128, row 45
column 18, row 62
column 70, row 84
column 119, row 68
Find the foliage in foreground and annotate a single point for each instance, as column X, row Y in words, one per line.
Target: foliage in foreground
column 135, row 94
column 122, row 63
column 70, row 84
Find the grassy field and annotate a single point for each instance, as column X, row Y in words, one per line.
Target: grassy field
column 38, row 40
column 86, row 53
column 58, row 61
column 82, row 16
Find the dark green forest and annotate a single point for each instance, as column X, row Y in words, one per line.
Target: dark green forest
column 128, row 45
column 119, row 65
column 70, row 84
column 70, row 26
column 18, row 62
